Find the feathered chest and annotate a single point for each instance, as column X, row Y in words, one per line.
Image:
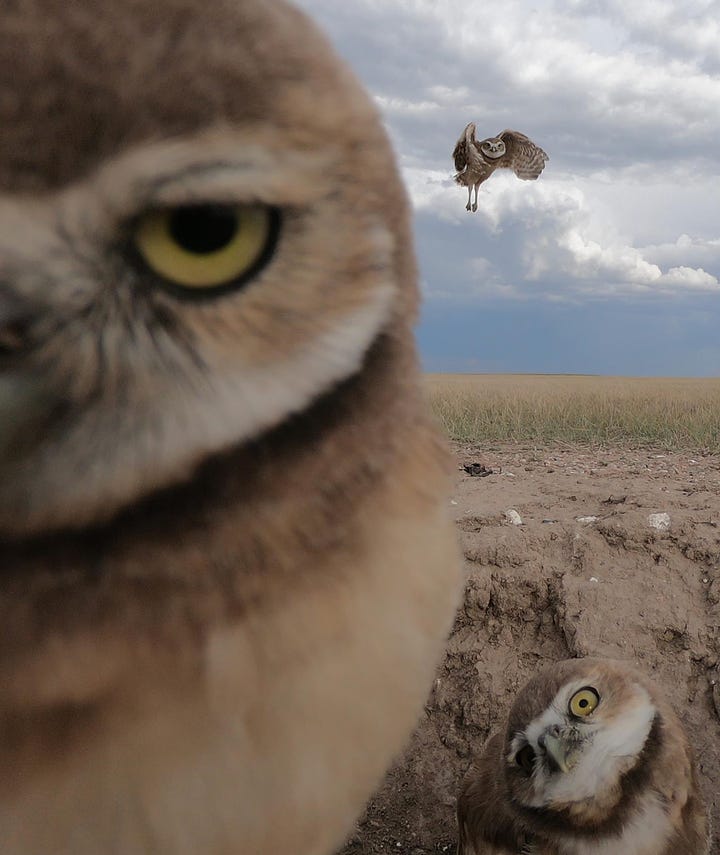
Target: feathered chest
column 478, row 164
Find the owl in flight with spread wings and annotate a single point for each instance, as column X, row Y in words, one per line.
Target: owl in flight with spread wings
column 476, row 161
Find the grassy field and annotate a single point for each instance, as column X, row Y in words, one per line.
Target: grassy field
column 671, row 412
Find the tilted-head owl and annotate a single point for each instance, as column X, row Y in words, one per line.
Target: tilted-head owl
column 593, row 761
column 227, row 563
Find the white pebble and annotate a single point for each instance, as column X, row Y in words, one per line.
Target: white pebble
column 586, row 519
column 513, row 517
column 661, row 522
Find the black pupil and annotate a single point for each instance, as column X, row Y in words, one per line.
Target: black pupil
column 583, row 703
column 202, row 229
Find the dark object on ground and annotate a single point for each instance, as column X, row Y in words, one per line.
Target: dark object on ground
column 478, row 470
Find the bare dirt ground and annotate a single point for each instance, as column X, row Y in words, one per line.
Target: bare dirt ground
column 584, row 574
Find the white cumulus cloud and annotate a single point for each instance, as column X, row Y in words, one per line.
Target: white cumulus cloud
column 625, row 98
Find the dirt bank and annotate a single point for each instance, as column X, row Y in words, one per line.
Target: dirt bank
column 588, row 572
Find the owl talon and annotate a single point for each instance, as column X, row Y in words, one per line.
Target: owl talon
column 474, row 207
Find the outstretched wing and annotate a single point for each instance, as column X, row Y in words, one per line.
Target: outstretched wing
column 459, row 154
column 522, row 155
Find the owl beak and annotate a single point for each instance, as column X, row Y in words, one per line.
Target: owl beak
column 556, row 751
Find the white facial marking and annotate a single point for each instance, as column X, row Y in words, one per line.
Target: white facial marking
column 178, row 430
column 493, row 149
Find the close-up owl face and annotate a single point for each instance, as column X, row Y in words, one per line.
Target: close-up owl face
column 220, row 491
column 578, row 746
column 175, row 287
column 493, row 148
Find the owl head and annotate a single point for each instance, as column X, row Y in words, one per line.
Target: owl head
column 573, row 733
column 493, row 147
column 199, row 238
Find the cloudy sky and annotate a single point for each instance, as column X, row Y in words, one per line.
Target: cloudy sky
column 610, row 262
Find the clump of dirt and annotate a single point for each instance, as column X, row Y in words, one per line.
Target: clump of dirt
column 587, row 571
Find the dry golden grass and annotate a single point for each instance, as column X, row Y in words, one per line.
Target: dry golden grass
column 672, row 412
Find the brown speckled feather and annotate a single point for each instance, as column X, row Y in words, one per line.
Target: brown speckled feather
column 459, row 154
column 523, row 156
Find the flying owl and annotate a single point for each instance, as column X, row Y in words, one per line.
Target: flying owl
column 228, row 565
column 593, row 761
column 476, row 161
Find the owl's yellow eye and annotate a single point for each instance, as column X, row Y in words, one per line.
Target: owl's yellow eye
column 584, row 702
column 206, row 247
